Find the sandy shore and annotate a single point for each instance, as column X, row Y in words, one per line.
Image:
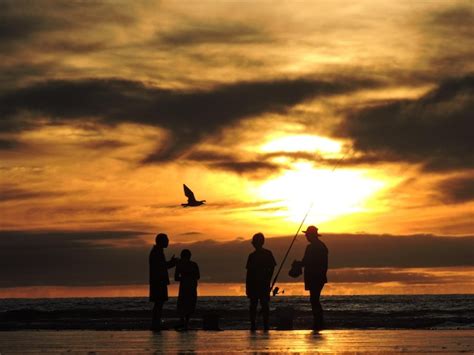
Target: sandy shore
column 331, row 341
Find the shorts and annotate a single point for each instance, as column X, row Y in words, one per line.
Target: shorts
column 158, row 293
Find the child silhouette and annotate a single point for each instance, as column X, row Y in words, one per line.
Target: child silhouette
column 187, row 273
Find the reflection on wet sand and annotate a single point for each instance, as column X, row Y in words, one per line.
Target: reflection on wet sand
column 294, row 341
column 235, row 341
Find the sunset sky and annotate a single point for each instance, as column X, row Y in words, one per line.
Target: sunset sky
column 362, row 109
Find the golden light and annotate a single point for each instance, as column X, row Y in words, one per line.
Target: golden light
column 302, row 143
column 331, row 193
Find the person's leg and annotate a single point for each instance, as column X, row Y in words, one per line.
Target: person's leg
column 253, row 313
column 182, row 321
column 157, row 310
column 315, row 294
column 264, row 303
column 180, row 310
column 186, row 321
column 192, row 307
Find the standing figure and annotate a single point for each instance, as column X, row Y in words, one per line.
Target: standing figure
column 159, row 279
column 315, row 264
column 187, row 273
column 260, row 266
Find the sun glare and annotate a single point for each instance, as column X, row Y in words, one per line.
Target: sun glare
column 330, row 193
column 302, row 143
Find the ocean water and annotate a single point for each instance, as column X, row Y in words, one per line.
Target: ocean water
column 341, row 312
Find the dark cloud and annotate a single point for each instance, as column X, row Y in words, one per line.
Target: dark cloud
column 9, row 144
column 233, row 163
column 209, row 156
column 73, row 46
column 19, row 71
column 347, row 159
column 263, row 164
column 459, row 18
column 67, row 258
column 457, row 190
column 223, row 58
column 62, row 239
column 446, row 42
column 93, row 258
column 190, row 115
column 28, row 23
column 248, row 167
column 104, row 144
column 14, row 193
column 213, row 33
column 435, row 130
column 310, row 156
column 16, row 26
column 191, row 233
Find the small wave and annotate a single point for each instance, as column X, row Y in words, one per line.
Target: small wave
column 451, row 325
column 357, row 312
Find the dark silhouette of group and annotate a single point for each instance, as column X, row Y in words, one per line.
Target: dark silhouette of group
column 260, row 267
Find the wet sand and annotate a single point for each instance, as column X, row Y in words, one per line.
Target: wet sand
column 238, row 341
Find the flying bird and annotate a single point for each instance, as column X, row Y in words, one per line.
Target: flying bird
column 192, row 202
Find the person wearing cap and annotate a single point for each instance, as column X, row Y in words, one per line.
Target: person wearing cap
column 315, row 264
column 260, row 267
column 159, row 279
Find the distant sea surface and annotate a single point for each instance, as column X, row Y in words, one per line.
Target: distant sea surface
column 341, row 312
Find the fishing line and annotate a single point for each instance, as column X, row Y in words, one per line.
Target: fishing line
column 276, row 289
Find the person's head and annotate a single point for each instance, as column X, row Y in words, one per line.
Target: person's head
column 161, row 240
column 311, row 233
column 186, row 254
column 258, row 240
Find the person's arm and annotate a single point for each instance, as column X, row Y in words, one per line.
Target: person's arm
column 177, row 273
column 172, row 262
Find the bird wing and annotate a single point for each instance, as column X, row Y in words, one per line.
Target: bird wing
column 189, row 194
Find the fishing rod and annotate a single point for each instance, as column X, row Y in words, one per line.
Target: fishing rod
column 275, row 290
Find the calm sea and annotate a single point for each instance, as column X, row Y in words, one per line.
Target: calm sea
column 341, row 312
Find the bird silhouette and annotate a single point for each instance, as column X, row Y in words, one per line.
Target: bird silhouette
column 192, row 202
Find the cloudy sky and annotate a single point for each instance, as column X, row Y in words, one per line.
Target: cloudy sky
column 362, row 110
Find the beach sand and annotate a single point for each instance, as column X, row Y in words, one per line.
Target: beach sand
column 235, row 341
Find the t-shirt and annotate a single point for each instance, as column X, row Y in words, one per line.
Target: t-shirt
column 260, row 265
column 187, row 272
column 315, row 262
column 158, row 267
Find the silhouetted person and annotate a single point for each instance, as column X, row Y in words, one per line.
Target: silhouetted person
column 260, row 266
column 159, row 279
column 315, row 264
column 187, row 273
